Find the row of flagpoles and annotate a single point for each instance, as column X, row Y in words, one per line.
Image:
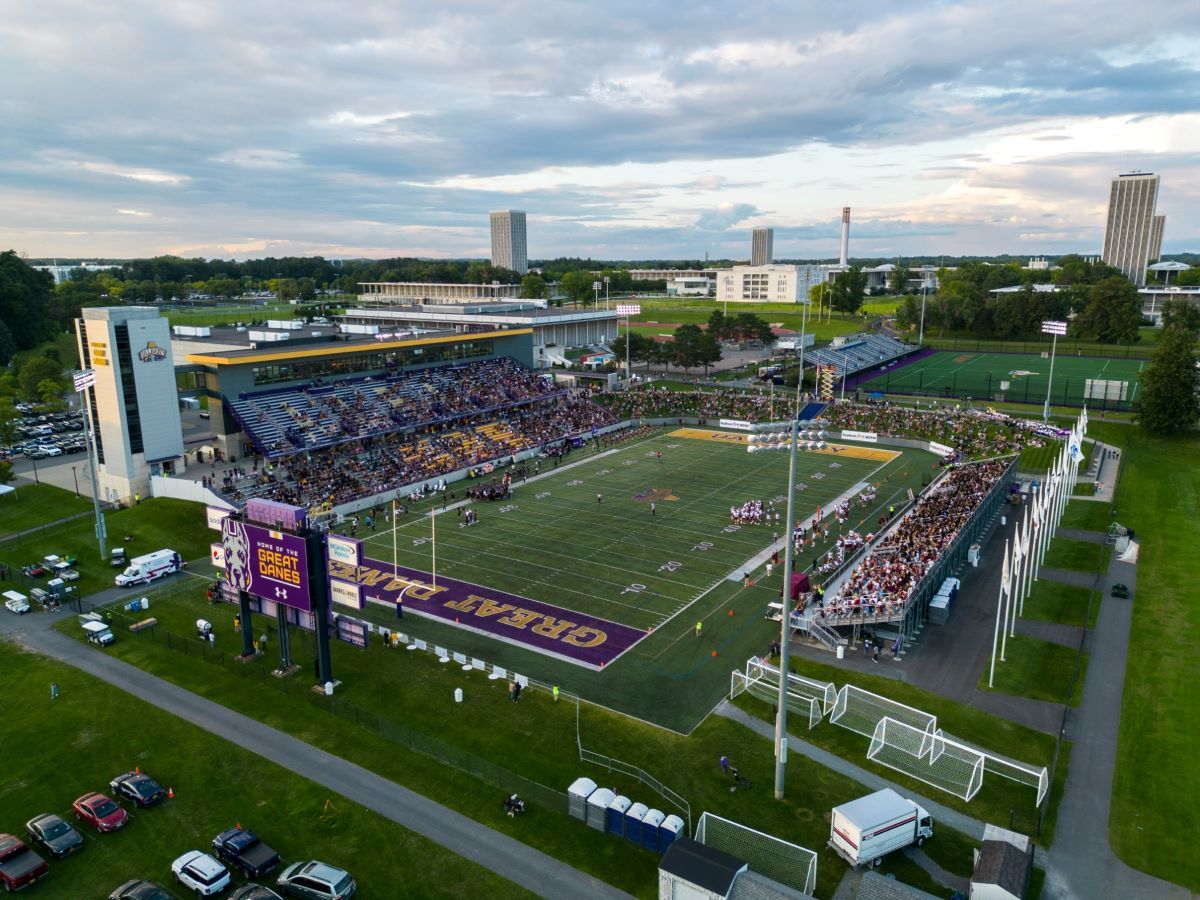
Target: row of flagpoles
column 1023, row 555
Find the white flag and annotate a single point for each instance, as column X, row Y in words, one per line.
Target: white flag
column 1004, row 578
column 1016, row 554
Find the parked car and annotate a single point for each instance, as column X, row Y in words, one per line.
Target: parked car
column 316, row 881
column 254, row 892
column 137, row 889
column 199, row 872
column 243, row 850
column 54, row 834
column 138, row 787
column 34, row 570
column 102, row 813
column 19, row 866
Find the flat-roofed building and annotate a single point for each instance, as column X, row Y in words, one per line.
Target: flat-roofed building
column 767, row 284
column 392, row 293
column 1129, row 233
column 509, row 250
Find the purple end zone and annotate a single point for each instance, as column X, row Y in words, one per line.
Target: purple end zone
column 539, row 626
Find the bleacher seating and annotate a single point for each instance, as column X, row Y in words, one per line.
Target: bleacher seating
column 859, row 352
column 280, row 423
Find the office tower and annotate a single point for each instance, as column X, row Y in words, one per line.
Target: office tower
column 762, row 246
column 508, row 240
column 1129, row 232
column 1156, row 236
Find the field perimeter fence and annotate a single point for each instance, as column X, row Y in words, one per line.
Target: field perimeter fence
column 427, row 745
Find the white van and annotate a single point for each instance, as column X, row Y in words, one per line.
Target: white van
column 152, row 566
column 16, row 602
column 98, row 633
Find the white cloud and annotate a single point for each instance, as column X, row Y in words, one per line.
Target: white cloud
column 140, row 213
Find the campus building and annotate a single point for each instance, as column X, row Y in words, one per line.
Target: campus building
column 393, row 293
column 133, row 407
column 762, row 246
column 509, row 250
column 1129, row 234
column 1155, row 298
column 767, row 284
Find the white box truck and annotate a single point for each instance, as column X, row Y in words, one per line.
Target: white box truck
column 144, row 569
column 865, row 830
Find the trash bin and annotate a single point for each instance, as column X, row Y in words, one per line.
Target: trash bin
column 616, row 814
column 577, row 795
column 841, row 651
column 458, row 695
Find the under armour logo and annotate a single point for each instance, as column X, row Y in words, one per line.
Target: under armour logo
column 280, row 593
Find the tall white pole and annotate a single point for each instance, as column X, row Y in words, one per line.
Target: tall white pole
column 433, row 541
column 89, row 439
column 1050, row 380
column 1026, row 551
column 921, row 335
column 395, row 524
column 1006, row 600
column 996, row 630
column 786, row 625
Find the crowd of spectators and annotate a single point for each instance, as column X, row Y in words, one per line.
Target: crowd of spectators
column 321, row 479
column 882, row 583
column 972, row 433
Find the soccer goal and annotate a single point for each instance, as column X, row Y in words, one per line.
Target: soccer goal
column 767, row 690
column 777, row 859
column 824, row 691
column 1037, row 777
column 930, row 757
column 861, row 712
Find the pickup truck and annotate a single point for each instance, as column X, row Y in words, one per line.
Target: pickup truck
column 243, row 850
column 19, row 866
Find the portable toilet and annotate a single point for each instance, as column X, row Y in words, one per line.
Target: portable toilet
column 616, row 814
column 668, row 831
column 597, row 809
column 577, row 795
column 633, row 822
column 650, row 824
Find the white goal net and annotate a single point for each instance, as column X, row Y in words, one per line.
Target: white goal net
column 777, row 859
column 930, row 757
column 767, row 690
column 861, row 711
column 823, row 691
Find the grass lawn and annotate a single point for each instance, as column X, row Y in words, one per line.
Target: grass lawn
column 1087, row 515
column 1085, row 489
column 94, row 731
column 1038, row 669
column 534, row 739
column 1053, row 601
column 788, row 315
column 153, row 524
column 35, row 504
column 1081, row 556
column 1154, row 816
column 1039, row 459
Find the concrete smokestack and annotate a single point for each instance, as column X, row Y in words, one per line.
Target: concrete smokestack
column 845, row 235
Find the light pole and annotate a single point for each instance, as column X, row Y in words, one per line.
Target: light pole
column 628, row 310
column 75, row 475
column 606, row 300
column 921, row 335
column 595, row 293
column 1055, row 329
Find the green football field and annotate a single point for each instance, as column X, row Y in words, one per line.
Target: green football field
column 554, row 542
column 981, row 376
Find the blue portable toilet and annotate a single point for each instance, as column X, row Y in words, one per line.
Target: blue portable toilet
column 616, row 814
column 633, row 822
column 650, row 824
column 668, row 831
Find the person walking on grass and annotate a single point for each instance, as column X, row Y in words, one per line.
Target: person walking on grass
column 652, row 508
column 699, row 625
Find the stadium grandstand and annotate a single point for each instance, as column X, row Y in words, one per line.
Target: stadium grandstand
column 858, row 352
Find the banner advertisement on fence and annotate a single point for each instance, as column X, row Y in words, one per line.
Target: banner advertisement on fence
column 346, row 593
column 867, row 437
column 343, row 549
column 352, row 631
column 940, row 449
column 736, row 424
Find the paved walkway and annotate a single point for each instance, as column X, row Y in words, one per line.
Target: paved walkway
column 531, row 869
column 1082, row 864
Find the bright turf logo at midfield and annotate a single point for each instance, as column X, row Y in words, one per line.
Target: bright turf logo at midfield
column 656, row 495
column 1020, row 373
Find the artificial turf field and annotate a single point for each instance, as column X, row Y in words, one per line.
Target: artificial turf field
column 553, row 542
column 964, row 374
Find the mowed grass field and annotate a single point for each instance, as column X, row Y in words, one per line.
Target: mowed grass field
column 93, row 732
column 661, row 573
column 979, row 375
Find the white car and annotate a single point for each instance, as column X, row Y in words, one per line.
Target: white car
column 199, row 872
column 53, row 450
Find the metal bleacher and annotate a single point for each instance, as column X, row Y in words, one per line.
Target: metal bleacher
column 858, row 352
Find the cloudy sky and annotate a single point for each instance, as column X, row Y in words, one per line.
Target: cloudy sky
column 626, row 130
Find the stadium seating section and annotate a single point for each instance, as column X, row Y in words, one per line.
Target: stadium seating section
column 859, row 352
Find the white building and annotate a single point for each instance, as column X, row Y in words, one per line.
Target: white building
column 392, row 293
column 133, row 406
column 690, row 287
column 1129, row 233
column 762, row 246
column 509, row 250
column 63, row 273
column 1154, row 298
column 767, row 284
column 1156, row 237
column 669, row 274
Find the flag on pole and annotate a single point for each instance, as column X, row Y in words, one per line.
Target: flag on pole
column 1005, row 576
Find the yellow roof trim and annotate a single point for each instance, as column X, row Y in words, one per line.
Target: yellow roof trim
column 343, row 350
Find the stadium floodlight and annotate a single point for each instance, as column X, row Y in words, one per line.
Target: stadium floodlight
column 1054, row 329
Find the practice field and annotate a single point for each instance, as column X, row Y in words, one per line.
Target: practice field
column 979, row 375
column 549, row 571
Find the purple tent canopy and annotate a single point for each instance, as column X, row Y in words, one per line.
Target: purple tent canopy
column 799, row 585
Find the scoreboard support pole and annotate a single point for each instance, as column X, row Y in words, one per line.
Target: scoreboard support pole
column 318, row 585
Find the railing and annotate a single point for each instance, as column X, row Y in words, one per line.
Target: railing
column 615, row 765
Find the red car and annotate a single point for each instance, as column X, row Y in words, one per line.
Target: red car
column 100, row 811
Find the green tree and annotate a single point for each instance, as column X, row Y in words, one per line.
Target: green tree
column 708, row 351
column 24, row 301
column 10, row 416
column 718, row 325
column 1190, row 278
column 849, row 289
column 1168, row 402
column 533, row 287
column 577, row 286
column 687, row 346
column 36, row 370
column 1113, row 312
column 6, row 472
column 898, row 280
column 50, row 392
column 7, row 345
